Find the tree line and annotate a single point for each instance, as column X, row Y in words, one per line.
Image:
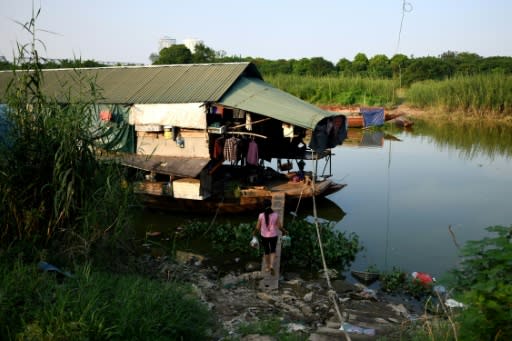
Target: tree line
column 406, row 69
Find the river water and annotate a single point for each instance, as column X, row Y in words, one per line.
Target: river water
column 412, row 197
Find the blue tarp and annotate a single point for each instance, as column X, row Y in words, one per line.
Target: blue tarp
column 372, row 116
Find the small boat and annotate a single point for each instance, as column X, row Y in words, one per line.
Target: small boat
column 364, row 116
column 358, row 121
column 366, row 277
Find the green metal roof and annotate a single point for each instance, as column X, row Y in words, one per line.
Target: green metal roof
column 179, row 83
column 254, row 95
column 237, row 85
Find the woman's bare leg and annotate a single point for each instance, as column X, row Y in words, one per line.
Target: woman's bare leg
column 268, row 263
column 272, row 258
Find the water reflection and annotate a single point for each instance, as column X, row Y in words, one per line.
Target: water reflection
column 327, row 211
column 469, row 138
column 368, row 138
column 402, row 198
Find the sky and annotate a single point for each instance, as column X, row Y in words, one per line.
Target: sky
column 129, row 31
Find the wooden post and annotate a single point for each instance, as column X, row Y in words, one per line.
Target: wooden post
column 270, row 282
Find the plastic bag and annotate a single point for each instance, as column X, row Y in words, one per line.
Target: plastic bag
column 254, row 242
column 286, row 241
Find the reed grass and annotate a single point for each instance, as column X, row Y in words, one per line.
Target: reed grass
column 54, row 192
column 332, row 90
column 485, row 94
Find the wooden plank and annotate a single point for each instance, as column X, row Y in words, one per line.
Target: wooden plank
column 270, row 282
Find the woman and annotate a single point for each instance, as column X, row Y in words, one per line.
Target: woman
column 268, row 225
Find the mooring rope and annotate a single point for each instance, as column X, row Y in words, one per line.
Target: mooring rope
column 331, row 291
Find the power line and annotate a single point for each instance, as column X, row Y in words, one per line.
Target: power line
column 406, row 8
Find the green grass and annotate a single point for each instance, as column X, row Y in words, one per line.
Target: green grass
column 97, row 306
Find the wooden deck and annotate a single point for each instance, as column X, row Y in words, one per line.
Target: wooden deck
column 270, row 282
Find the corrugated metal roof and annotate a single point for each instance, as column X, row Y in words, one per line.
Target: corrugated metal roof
column 179, row 83
column 254, row 95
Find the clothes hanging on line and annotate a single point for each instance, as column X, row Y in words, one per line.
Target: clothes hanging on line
column 218, row 149
column 231, row 149
column 252, row 153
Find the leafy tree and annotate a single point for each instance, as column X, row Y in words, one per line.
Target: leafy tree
column 344, row 67
column 496, row 65
column 4, row 64
column 153, row 57
column 398, row 63
column 318, row 66
column 425, row 68
column 273, row 67
column 283, row 66
column 301, row 67
column 78, row 63
column 175, row 54
column 378, row 66
column 468, row 63
column 360, row 64
column 203, row 54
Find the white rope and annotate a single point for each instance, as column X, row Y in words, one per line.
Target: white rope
column 331, row 291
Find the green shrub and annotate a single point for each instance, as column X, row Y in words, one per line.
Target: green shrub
column 339, row 248
column 483, row 282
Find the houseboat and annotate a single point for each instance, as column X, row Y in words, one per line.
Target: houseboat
column 207, row 136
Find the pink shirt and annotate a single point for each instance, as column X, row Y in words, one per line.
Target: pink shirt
column 271, row 230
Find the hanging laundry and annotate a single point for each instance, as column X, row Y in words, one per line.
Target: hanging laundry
column 252, row 153
column 238, row 113
column 248, row 122
column 287, row 130
column 231, row 149
column 218, row 148
column 105, row 115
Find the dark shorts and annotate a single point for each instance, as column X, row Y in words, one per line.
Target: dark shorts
column 269, row 244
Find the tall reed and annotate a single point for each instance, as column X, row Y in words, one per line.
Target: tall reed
column 472, row 95
column 338, row 90
column 53, row 190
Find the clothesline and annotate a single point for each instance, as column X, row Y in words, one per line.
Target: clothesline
column 245, row 133
column 252, row 123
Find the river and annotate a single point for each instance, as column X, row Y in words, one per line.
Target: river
column 412, row 197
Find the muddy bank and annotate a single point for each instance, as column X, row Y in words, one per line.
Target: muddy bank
column 303, row 306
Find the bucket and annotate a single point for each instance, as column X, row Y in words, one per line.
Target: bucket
column 168, row 132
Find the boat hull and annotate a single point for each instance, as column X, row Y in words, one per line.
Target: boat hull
column 357, row 121
column 248, row 201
